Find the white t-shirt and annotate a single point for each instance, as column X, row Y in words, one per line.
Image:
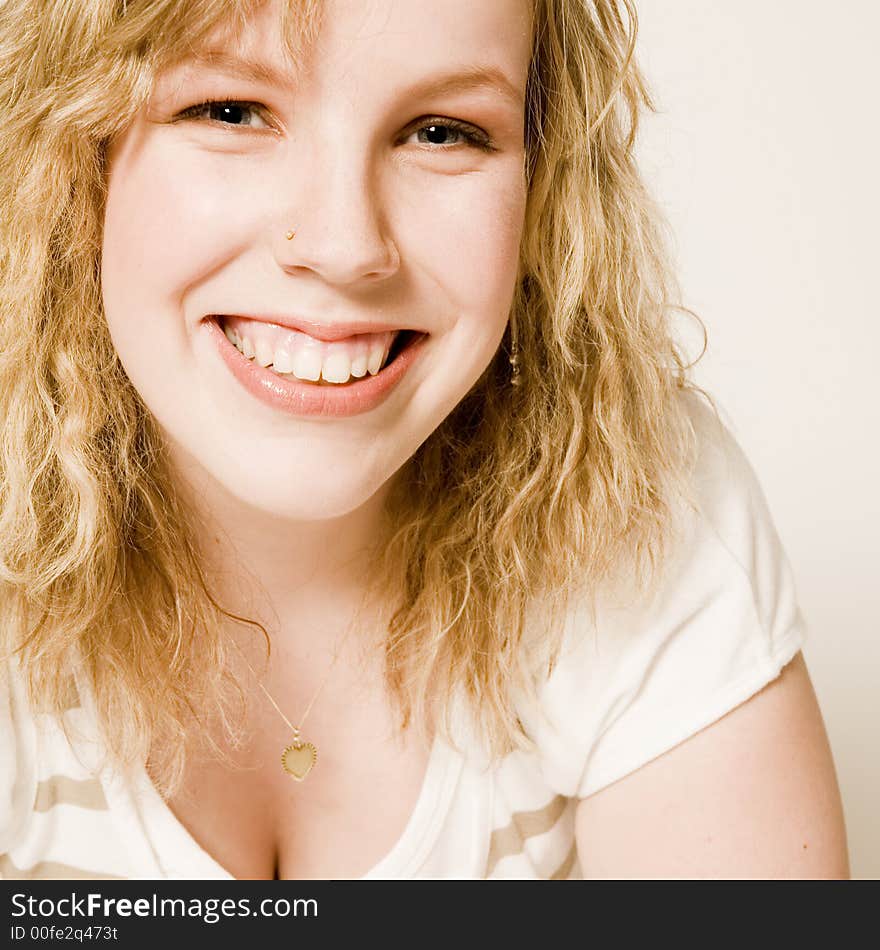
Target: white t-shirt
column 626, row 689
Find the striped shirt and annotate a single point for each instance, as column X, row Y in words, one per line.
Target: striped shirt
column 628, row 687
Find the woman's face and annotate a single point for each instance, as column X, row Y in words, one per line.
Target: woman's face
column 395, row 153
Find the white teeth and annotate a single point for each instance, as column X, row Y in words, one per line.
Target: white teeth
column 307, row 365
column 377, row 355
column 264, row 353
column 336, row 368
column 309, row 362
column 359, row 365
column 283, row 362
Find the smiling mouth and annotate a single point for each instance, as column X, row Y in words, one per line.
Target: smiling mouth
column 307, row 360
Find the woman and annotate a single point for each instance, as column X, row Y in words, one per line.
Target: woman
column 359, row 519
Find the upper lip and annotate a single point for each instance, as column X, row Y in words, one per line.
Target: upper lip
column 328, row 332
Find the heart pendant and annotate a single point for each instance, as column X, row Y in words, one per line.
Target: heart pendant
column 297, row 759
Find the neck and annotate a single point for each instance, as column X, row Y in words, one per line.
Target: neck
column 304, row 580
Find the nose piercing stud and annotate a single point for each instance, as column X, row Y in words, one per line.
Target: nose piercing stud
column 290, row 234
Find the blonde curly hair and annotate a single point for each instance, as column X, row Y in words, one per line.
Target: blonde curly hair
column 522, row 496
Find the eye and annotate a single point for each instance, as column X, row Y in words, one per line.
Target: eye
column 448, row 134
column 227, row 112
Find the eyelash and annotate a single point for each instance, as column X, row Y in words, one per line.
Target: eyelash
column 473, row 136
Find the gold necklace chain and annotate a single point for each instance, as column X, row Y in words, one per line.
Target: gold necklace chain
column 295, row 729
column 298, row 758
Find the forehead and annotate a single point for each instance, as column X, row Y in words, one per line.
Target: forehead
column 280, row 41
column 424, row 27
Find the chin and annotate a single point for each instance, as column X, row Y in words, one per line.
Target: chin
column 286, row 493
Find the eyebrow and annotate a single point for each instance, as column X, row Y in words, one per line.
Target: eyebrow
column 464, row 80
column 251, row 69
column 446, row 83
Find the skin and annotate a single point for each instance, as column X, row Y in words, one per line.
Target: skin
column 388, row 226
column 752, row 796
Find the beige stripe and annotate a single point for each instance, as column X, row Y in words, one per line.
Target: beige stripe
column 50, row 871
column 524, row 824
column 61, row 790
column 564, row 869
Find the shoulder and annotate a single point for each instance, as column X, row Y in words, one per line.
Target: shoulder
column 641, row 673
column 731, row 501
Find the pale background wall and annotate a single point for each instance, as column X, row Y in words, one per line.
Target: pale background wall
column 765, row 156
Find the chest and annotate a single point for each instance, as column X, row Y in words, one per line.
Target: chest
column 350, row 811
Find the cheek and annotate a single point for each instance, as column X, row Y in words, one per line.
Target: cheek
column 473, row 249
column 164, row 231
column 162, row 235
column 469, row 257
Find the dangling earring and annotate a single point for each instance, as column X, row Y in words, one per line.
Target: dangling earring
column 515, row 376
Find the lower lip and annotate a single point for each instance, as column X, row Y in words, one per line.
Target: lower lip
column 298, row 398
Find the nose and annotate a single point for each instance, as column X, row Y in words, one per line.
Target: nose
column 336, row 226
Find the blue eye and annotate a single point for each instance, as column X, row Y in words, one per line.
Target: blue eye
column 445, row 134
column 449, row 133
column 228, row 112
